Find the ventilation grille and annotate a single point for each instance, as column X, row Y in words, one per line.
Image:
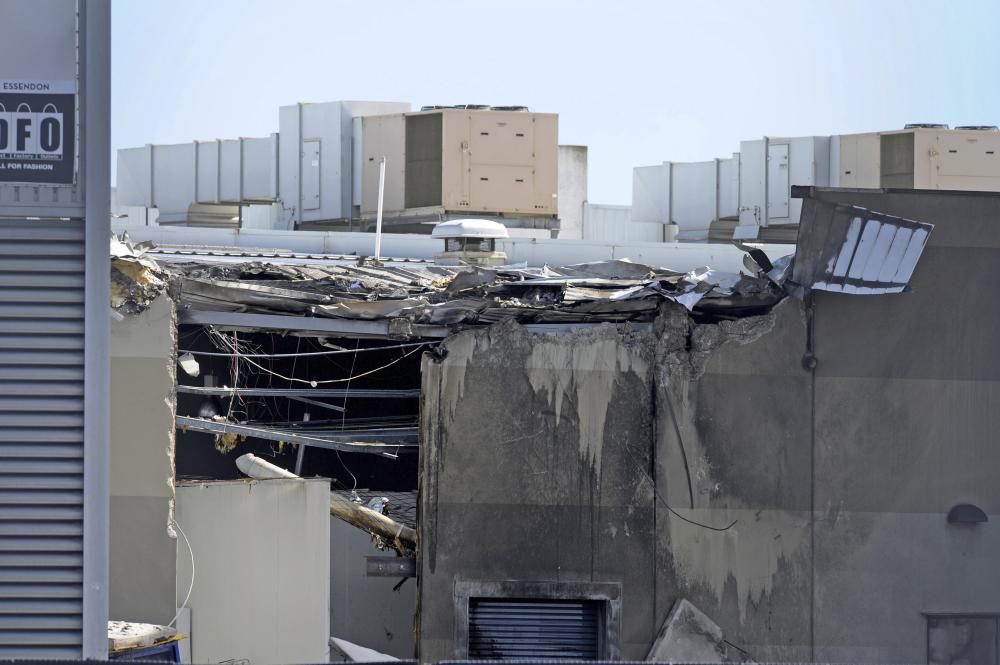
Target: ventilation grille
column 505, row 629
column 41, row 438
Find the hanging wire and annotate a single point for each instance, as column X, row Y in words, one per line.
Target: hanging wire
column 306, row 353
column 343, row 414
column 187, row 597
column 314, row 383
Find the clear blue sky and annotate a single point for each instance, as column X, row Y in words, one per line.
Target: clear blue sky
column 638, row 82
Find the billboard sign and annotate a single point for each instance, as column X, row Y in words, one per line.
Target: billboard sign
column 37, row 131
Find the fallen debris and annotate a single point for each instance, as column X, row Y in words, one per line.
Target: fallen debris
column 402, row 537
column 124, row 635
column 136, row 279
column 689, row 636
column 342, row 651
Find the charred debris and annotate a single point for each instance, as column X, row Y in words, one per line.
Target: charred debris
column 312, row 363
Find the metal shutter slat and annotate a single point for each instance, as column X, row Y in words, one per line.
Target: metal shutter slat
column 19, row 388
column 34, row 374
column 47, row 652
column 38, row 280
column 41, row 481
column 30, row 590
column 29, row 621
column 41, row 438
column 72, row 326
column 32, row 293
column 40, row 544
column 38, row 497
column 40, row 559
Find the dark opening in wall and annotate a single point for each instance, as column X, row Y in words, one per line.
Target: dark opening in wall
column 365, row 368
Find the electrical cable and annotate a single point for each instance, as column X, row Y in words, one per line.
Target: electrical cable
column 305, row 353
column 343, row 414
column 187, row 542
column 656, row 495
column 316, row 383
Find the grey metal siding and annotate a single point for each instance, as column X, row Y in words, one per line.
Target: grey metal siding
column 41, row 438
column 504, row 629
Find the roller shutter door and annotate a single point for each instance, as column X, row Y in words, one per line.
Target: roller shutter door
column 41, row 438
column 505, row 629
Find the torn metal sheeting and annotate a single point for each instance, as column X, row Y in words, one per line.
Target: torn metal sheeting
column 441, row 299
column 385, row 441
column 848, row 249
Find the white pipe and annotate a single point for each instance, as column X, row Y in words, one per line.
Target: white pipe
column 255, row 467
column 378, row 214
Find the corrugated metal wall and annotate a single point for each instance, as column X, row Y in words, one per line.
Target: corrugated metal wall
column 41, row 438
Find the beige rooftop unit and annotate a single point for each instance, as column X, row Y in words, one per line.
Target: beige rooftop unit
column 922, row 157
column 490, row 162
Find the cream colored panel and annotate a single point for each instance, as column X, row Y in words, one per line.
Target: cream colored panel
column 502, row 138
column 498, row 188
column 383, row 136
column 968, row 160
column 455, row 160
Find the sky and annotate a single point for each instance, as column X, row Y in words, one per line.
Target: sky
column 639, row 82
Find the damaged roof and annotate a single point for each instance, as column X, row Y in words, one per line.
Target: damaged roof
column 852, row 250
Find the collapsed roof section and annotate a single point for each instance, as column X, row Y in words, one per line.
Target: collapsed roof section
column 843, row 248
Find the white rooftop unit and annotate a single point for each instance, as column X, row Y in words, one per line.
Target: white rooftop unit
column 470, row 241
column 769, row 167
column 181, row 180
column 692, row 196
column 316, row 157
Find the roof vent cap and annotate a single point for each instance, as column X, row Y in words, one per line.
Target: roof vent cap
column 979, row 128
column 469, row 228
column 924, row 125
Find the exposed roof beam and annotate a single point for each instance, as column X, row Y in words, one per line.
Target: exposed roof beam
column 385, row 441
column 311, row 324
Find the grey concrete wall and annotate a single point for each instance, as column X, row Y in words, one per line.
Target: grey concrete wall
column 365, row 610
column 534, row 465
column 142, row 565
column 733, row 419
column 906, row 400
column 804, row 511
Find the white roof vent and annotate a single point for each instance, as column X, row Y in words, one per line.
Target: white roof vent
column 469, row 228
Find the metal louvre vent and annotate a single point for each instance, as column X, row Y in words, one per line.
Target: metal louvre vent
column 507, row 629
column 41, row 438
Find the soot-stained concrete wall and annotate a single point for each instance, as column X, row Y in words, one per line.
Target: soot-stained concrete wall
column 581, row 456
column 732, row 453
column 802, row 508
column 535, row 465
